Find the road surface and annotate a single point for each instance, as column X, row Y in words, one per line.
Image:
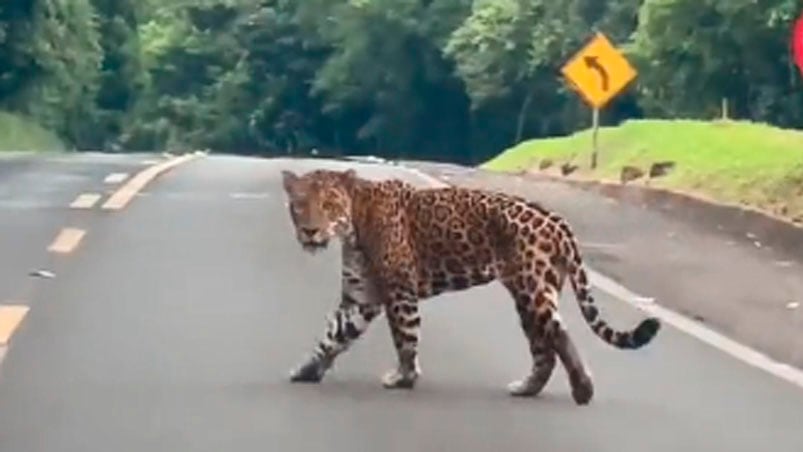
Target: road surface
column 173, row 324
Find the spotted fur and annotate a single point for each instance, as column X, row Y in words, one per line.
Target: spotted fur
column 402, row 245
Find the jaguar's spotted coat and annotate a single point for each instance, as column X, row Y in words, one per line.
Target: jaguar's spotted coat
column 401, row 245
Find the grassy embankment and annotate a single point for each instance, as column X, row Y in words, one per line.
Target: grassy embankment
column 20, row 134
column 732, row 162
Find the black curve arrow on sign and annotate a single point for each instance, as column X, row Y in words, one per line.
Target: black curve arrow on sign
column 593, row 63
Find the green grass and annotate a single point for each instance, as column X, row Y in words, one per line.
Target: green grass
column 21, row 134
column 734, row 162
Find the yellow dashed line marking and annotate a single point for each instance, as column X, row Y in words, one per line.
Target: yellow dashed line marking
column 67, row 240
column 10, row 318
column 126, row 193
column 85, row 201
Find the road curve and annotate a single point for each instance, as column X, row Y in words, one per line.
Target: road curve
column 175, row 324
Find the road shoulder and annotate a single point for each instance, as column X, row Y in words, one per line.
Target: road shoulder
column 733, row 283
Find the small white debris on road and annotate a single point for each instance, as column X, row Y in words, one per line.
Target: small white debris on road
column 42, row 274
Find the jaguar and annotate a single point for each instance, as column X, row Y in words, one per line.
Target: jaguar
column 402, row 244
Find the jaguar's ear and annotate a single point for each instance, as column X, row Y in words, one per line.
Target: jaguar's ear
column 289, row 179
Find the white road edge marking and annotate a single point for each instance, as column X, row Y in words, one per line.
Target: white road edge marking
column 693, row 328
column 115, row 178
column 3, row 350
column 601, row 245
column 739, row 351
column 248, row 195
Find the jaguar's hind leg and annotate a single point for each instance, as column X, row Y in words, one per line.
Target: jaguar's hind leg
column 537, row 304
column 543, row 356
column 579, row 378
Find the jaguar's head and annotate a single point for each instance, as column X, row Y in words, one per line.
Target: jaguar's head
column 320, row 206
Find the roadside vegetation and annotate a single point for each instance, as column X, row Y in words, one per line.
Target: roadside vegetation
column 729, row 161
column 20, row 134
column 456, row 80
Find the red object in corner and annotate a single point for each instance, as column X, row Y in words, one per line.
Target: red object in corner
column 797, row 43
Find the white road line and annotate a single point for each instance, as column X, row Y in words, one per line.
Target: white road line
column 694, row 328
column 600, row 245
column 115, row 178
column 85, row 201
column 739, row 351
column 248, row 195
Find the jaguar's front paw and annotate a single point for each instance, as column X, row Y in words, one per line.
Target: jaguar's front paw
column 523, row 388
column 310, row 372
column 396, row 379
column 529, row 386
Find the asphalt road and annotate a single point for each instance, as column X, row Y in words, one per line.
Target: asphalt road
column 35, row 192
column 175, row 323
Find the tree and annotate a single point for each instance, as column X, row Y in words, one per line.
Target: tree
column 692, row 54
column 55, row 52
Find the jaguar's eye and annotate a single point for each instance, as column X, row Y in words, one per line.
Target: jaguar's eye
column 295, row 209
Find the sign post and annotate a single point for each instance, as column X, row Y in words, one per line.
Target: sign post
column 598, row 72
column 594, row 137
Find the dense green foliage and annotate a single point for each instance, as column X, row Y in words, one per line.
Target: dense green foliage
column 436, row 79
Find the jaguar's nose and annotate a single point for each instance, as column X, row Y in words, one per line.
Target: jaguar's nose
column 310, row 232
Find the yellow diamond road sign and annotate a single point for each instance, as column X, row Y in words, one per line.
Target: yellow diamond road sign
column 598, row 71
